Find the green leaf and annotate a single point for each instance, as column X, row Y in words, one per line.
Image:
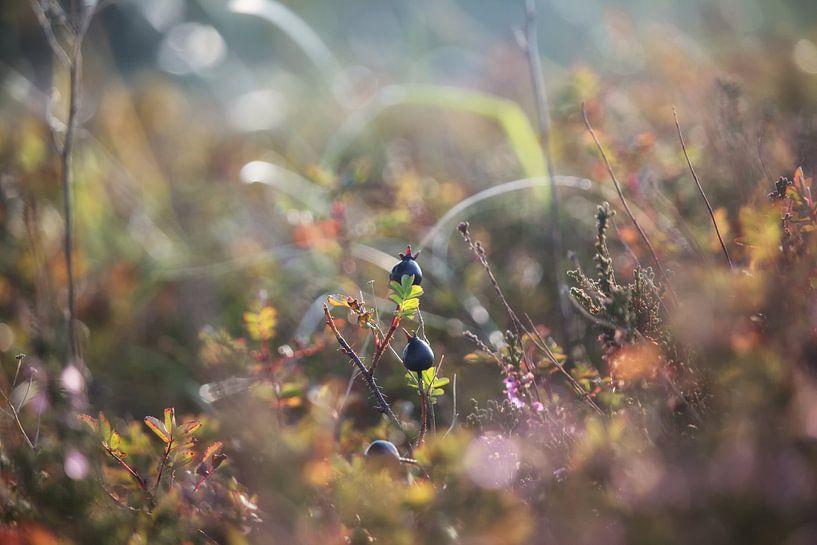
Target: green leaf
column 440, row 382
column 396, row 299
column 170, row 419
column 290, row 390
column 396, row 286
column 157, row 427
column 507, row 114
column 406, row 281
column 104, row 426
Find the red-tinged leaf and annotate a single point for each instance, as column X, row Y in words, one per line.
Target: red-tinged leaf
column 157, row 427
column 119, row 453
column 90, row 421
column 190, row 427
column 211, row 450
column 170, row 419
column 798, row 178
column 218, row 459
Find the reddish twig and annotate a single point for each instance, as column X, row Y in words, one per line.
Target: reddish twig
column 381, row 348
column 162, row 465
column 383, row 405
column 142, row 484
column 701, row 189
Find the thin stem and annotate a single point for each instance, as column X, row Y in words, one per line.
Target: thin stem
column 423, row 410
column 66, row 180
column 20, row 425
column 701, row 189
column 129, row 469
column 624, row 202
column 544, row 124
column 542, row 344
column 378, row 354
column 82, row 17
column 479, row 252
column 455, row 415
column 162, row 465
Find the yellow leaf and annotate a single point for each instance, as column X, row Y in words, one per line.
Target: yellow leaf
column 261, row 325
column 338, row 300
column 157, row 427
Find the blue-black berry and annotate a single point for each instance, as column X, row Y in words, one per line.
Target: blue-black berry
column 407, row 267
column 417, row 355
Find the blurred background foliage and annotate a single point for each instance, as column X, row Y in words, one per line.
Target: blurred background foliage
column 239, row 161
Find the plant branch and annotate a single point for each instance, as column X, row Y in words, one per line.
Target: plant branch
column 625, row 204
column 701, row 189
column 162, row 465
column 355, row 359
column 542, row 344
column 381, row 348
column 127, row 468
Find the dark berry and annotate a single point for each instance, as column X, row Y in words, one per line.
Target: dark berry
column 382, row 454
column 382, row 448
column 417, row 355
column 406, row 267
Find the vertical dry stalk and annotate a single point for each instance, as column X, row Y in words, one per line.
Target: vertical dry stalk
column 76, row 26
column 625, row 204
column 544, row 123
column 423, row 410
column 701, row 189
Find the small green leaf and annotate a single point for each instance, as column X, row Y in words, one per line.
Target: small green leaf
column 170, row 419
column 406, row 281
column 396, row 299
column 440, row 382
column 290, row 390
column 104, row 426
